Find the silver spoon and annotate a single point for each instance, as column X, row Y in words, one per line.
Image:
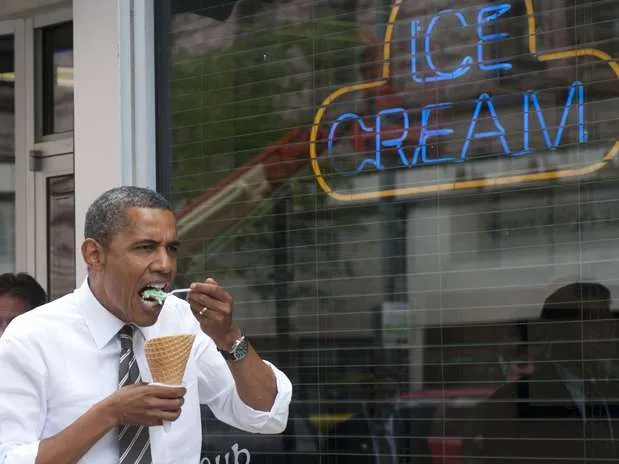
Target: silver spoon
column 179, row 290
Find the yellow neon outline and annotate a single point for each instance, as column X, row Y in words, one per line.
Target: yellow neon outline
column 459, row 185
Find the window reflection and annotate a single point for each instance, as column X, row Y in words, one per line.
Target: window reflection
column 433, row 304
column 7, row 154
column 565, row 407
column 56, row 49
column 60, row 235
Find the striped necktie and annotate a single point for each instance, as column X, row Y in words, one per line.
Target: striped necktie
column 133, row 440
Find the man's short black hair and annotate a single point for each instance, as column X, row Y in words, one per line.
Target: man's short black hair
column 566, row 302
column 108, row 214
column 23, row 286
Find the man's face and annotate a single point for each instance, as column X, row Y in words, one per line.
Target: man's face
column 142, row 255
column 10, row 307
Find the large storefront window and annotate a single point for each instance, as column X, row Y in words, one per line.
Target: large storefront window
column 416, row 207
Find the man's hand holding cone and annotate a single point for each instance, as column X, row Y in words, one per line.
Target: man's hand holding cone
column 167, row 360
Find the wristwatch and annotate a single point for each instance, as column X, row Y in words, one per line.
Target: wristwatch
column 238, row 351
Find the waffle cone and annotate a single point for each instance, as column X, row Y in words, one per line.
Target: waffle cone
column 167, row 357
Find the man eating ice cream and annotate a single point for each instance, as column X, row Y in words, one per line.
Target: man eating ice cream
column 74, row 371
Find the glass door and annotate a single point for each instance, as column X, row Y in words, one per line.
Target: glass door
column 7, row 149
column 37, row 225
column 55, row 225
column 51, row 151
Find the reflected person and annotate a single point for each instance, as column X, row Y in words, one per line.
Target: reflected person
column 563, row 409
column 368, row 437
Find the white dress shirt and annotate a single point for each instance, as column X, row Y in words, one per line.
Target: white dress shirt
column 58, row 360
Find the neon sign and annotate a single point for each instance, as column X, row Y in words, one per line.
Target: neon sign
column 424, row 71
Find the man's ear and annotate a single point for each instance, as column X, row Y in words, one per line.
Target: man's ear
column 93, row 254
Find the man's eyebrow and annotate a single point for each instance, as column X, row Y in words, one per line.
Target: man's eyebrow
column 146, row 241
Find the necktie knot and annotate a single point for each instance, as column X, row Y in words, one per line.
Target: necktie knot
column 126, row 337
column 126, row 330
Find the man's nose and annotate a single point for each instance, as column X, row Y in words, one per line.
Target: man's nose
column 164, row 262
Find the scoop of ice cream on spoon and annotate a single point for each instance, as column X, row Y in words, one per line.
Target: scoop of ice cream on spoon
column 160, row 295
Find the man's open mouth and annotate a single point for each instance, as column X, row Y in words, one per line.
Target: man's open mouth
column 153, row 294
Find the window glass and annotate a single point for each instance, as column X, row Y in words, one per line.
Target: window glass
column 415, row 206
column 56, row 61
column 60, row 235
column 7, row 154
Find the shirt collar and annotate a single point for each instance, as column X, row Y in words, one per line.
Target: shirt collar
column 103, row 325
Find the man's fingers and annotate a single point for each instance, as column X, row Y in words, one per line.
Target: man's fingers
column 165, row 404
column 157, row 417
column 160, row 391
column 199, row 301
column 212, row 289
column 162, row 415
column 213, row 316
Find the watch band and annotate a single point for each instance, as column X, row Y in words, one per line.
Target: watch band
column 238, row 351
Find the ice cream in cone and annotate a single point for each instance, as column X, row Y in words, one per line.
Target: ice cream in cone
column 167, row 358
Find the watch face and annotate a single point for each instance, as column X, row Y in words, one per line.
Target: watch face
column 240, row 350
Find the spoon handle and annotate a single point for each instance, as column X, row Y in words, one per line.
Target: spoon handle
column 179, row 290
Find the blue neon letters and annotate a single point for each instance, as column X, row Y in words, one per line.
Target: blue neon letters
column 439, row 75
column 485, row 100
column 424, row 70
column 484, row 108
column 425, row 134
column 433, row 73
column 485, row 16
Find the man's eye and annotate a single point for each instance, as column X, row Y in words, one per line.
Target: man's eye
column 173, row 248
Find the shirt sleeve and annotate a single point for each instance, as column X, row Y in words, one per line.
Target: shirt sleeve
column 218, row 391
column 21, row 399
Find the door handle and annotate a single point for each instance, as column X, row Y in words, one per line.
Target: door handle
column 36, row 160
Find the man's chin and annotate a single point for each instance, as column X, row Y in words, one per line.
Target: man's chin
column 148, row 315
column 145, row 323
